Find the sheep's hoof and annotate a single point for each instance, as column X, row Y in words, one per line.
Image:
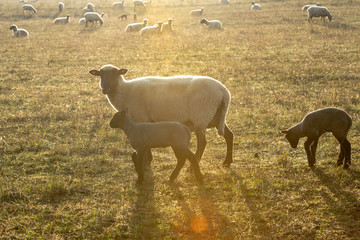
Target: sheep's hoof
column 339, row 163
column 226, row 164
column 346, row 166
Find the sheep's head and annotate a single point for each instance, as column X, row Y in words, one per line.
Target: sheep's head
column 291, row 137
column 330, row 17
column 203, row 21
column 109, row 75
column 118, row 119
column 13, row 27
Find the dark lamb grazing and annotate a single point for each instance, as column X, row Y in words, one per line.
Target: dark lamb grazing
column 144, row 136
column 316, row 123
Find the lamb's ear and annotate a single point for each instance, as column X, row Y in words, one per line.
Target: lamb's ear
column 95, row 72
column 284, row 131
column 122, row 71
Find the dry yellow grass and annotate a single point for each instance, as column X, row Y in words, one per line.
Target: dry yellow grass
column 65, row 174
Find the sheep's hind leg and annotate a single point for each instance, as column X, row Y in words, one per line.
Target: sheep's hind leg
column 313, row 147
column 229, row 138
column 343, row 151
column 310, row 157
column 346, row 146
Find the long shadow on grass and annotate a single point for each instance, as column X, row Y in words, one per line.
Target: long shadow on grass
column 343, row 204
column 145, row 216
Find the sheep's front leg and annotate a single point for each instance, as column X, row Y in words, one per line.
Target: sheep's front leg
column 229, row 138
column 140, row 164
column 201, row 143
column 346, row 149
column 311, row 160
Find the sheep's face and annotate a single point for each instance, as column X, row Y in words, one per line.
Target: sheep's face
column 118, row 120
column 13, row 27
column 330, row 17
column 108, row 77
column 292, row 138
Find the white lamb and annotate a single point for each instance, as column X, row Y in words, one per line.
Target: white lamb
column 310, row 5
column 118, row 5
column 89, row 8
column 167, row 27
column 151, row 30
column 136, row 27
column 197, row 12
column 213, row 24
column 255, row 6
column 93, row 17
column 317, row 11
column 82, row 21
column 198, row 102
column 62, row 20
column 19, row 32
column 61, row 6
column 29, row 8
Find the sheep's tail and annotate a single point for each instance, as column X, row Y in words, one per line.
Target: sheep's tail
column 223, row 108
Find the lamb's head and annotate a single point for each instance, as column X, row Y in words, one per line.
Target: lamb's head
column 13, row 27
column 118, row 119
column 329, row 16
column 203, row 21
column 109, row 75
column 291, row 137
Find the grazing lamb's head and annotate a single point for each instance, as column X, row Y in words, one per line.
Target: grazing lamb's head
column 291, row 137
column 109, row 75
column 204, row 20
column 329, row 17
column 13, row 27
column 118, row 119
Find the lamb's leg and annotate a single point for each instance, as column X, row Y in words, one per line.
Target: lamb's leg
column 346, row 146
column 229, row 138
column 307, row 144
column 194, row 164
column 313, row 148
column 179, row 165
column 140, row 164
column 134, row 159
column 343, row 150
column 201, row 143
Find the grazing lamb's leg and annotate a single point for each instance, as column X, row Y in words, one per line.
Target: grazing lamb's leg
column 343, row 150
column 310, row 157
column 194, row 164
column 140, row 164
column 346, row 148
column 180, row 163
column 314, row 147
column 229, row 137
column 135, row 161
column 201, row 143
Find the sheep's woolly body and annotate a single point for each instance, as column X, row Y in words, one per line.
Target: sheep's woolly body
column 212, row 24
column 119, row 5
column 19, row 32
column 306, row 7
column 317, row 11
column 93, row 17
column 82, row 21
column 255, row 6
column 136, row 27
column 62, row 20
column 28, row 7
column 197, row 12
column 151, row 30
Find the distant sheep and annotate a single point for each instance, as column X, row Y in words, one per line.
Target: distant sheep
column 197, row 12
column 316, row 11
column 62, row 20
column 136, row 27
column 167, row 27
column 61, row 6
column 224, row 1
column 144, row 136
column 151, row 30
column 118, row 5
column 310, row 5
column 213, row 24
column 255, row 6
column 93, row 17
column 29, row 8
column 124, row 16
column 198, row 102
column 19, row 32
column 82, row 21
column 333, row 120
column 89, row 8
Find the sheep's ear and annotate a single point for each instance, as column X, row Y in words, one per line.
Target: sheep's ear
column 122, row 71
column 95, row 72
column 284, row 131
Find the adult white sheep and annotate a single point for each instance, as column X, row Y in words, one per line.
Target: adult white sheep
column 93, row 17
column 255, row 6
column 88, row 8
column 144, row 136
column 118, row 5
column 62, row 20
column 197, row 12
column 317, row 11
column 316, row 123
column 136, row 27
column 310, row 5
column 19, row 32
column 61, row 6
column 167, row 27
column 198, row 102
column 30, row 8
column 212, row 24
column 151, row 30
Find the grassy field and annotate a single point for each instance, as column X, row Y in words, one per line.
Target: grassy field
column 65, row 174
